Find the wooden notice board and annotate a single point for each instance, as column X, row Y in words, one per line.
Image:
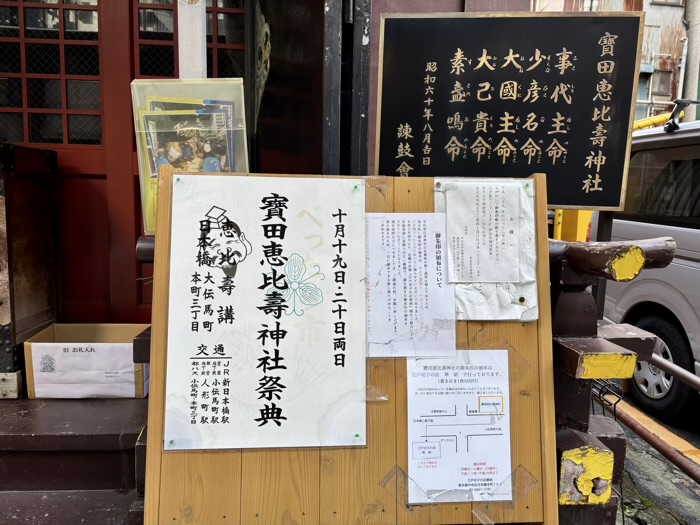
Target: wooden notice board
column 348, row 486
column 509, row 94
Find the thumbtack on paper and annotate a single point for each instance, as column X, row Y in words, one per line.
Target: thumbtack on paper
column 357, row 435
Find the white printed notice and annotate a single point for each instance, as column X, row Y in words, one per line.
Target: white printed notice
column 266, row 321
column 459, row 428
column 411, row 311
column 483, row 232
column 83, row 370
column 480, row 252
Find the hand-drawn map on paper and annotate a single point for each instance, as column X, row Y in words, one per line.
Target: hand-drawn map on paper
column 459, row 428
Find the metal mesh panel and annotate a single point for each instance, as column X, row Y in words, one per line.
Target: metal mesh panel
column 84, row 94
column 231, row 28
column 80, row 25
column 44, row 93
column 11, row 127
column 10, row 92
column 45, row 128
column 156, row 24
column 210, row 62
column 236, row 4
column 84, row 129
column 9, row 22
column 41, row 23
column 10, row 61
column 210, row 28
column 43, row 58
column 231, row 63
column 157, row 61
column 82, row 60
column 50, row 64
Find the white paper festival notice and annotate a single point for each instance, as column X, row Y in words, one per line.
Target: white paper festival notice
column 266, row 321
column 492, row 247
column 411, row 306
column 459, row 428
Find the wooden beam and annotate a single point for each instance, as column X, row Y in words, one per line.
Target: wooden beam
column 593, row 358
column 615, row 261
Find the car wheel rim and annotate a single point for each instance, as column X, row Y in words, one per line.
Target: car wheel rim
column 653, row 382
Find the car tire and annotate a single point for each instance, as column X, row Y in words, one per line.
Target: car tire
column 677, row 397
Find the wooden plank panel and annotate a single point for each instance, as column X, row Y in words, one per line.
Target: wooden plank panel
column 532, row 396
column 410, row 195
column 548, row 445
column 455, row 513
column 415, row 195
column 201, row 488
column 280, row 486
column 181, row 487
column 520, row 339
column 357, row 485
column 159, row 341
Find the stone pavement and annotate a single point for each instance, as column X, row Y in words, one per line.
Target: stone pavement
column 654, row 491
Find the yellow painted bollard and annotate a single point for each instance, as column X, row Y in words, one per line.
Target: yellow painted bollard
column 586, row 469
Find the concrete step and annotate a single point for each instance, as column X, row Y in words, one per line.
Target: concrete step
column 84, row 507
column 81, row 444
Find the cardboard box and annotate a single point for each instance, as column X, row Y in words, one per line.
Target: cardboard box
column 85, row 360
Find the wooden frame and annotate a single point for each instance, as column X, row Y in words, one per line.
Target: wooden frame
column 318, row 486
column 525, row 14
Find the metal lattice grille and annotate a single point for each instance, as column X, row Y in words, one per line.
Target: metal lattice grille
column 155, row 23
column 11, row 92
column 41, row 23
column 231, row 28
column 44, row 93
column 84, row 94
column 43, row 58
column 82, row 60
column 11, row 127
column 80, row 25
column 9, row 22
column 227, row 4
column 84, row 129
column 231, row 63
column 10, row 58
column 45, row 128
column 225, row 38
column 49, row 72
column 210, row 62
column 157, row 61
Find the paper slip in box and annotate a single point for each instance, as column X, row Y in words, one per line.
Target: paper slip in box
column 85, row 360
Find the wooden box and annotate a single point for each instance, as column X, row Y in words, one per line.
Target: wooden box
column 85, row 360
column 28, row 237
